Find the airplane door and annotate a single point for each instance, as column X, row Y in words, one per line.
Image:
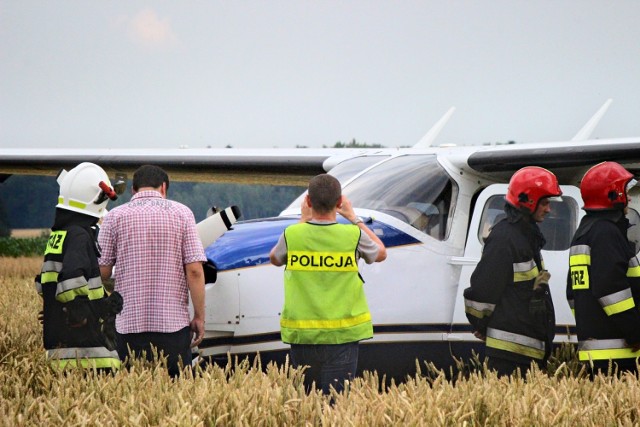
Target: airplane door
column 558, row 228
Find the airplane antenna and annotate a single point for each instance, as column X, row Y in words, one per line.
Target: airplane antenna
column 430, row 136
column 587, row 130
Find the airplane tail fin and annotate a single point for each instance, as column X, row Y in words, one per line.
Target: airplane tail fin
column 588, row 128
column 430, row 136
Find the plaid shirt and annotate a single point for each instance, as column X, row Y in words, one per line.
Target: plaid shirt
column 148, row 241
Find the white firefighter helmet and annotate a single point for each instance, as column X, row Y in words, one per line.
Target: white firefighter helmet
column 85, row 189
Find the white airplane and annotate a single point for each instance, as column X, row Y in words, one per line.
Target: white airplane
column 431, row 206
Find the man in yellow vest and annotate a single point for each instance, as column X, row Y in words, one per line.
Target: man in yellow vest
column 325, row 312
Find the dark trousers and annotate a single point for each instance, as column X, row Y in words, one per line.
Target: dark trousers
column 612, row 367
column 504, row 367
column 175, row 346
column 329, row 365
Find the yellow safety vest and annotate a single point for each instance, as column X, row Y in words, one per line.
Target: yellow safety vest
column 324, row 300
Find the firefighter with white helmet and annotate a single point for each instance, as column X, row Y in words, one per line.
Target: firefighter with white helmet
column 604, row 273
column 508, row 303
column 78, row 314
column 85, row 189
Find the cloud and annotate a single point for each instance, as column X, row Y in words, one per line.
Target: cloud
column 147, row 29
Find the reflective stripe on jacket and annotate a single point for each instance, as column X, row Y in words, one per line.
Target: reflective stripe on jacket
column 605, row 350
column 86, row 357
column 324, row 301
column 515, row 343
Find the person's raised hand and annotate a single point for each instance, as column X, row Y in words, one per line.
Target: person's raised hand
column 346, row 210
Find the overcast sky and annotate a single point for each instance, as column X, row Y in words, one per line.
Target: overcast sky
column 114, row 74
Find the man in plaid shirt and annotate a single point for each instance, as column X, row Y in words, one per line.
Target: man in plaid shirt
column 153, row 243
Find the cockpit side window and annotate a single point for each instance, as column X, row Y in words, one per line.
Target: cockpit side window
column 558, row 226
column 414, row 189
column 633, row 233
column 492, row 214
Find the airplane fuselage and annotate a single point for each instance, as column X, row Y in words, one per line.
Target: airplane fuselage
column 433, row 238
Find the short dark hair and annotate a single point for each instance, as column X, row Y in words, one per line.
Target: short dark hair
column 149, row 176
column 324, row 192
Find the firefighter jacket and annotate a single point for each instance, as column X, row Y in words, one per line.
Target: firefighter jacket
column 501, row 303
column 77, row 312
column 324, row 300
column 603, row 277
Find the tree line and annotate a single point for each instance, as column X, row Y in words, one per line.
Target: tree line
column 28, row 201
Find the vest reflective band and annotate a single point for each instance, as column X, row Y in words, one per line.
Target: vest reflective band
column 515, row 343
column 321, row 261
column 324, row 300
column 326, row 324
column 86, row 357
column 605, row 350
column 617, row 302
column 634, row 268
column 579, row 262
column 524, row 271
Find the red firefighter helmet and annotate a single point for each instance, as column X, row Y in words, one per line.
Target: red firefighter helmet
column 530, row 184
column 604, row 186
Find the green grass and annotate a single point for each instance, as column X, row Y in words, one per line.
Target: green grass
column 22, row 247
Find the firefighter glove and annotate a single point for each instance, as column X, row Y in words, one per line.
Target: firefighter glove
column 541, row 279
column 114, row 303
column 538, row 305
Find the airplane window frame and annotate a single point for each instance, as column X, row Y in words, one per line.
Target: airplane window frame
column 346, row 170
column 556, row 240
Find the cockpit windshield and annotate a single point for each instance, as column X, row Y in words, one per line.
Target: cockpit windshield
column 344, row 171
column 414, row 189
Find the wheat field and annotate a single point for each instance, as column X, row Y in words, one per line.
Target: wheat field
column 251, row 395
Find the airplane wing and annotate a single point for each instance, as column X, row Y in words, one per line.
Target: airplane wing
column 569, row 160
column 250, row 166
